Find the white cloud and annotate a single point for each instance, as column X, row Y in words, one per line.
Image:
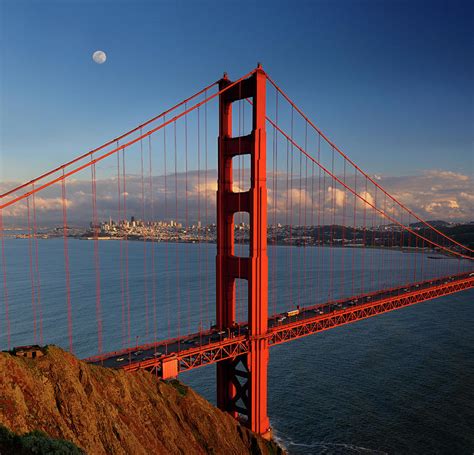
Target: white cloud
column 339, row 196
column 433, row 194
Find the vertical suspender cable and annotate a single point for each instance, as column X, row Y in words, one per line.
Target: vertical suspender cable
column 5, row 288
column 275, row 203
column 153, row 239
column 333, row 222
column 354, row 232
column 415, row 265
column 199, row 218
column 38, row 280
column 96, row 258
column 372, row 272
column 313, row 254
column 392, row 247
column 66, row 262
column 120, row 227
column 342, row 287
column 287, row 210
column 305, row 296
column 401, row 257
column 384, row 241
column 32, row 277
column 323, row 195
column 364, row 242
column 291, row 208
column 178, row 290
column 318, row 291
column 127, row 283
column 206, row 210
column 300, row 202
column 168, row 295
column 189, row 265
column 145, row 273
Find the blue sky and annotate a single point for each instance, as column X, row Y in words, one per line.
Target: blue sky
column 391, row 82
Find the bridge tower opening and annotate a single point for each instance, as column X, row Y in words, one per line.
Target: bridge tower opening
column 242, row 382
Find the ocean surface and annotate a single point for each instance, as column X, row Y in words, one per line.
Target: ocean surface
column 399, row 383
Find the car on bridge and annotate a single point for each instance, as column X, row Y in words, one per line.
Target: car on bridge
column 293, row 313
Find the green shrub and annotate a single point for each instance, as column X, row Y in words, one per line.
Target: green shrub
column 181, row 388
column 35, row 442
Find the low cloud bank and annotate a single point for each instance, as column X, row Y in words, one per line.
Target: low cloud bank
column 433, row 194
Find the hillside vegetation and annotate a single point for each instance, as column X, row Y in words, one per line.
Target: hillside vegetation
column 106, row 411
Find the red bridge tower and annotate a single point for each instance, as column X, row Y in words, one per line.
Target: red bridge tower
column 242, row 382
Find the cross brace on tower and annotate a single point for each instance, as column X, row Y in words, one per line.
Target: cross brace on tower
column 242, row 382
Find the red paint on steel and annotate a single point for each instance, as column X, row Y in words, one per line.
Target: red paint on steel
column 230, row 349
column 302, row 328
column 359, row 169
column 145, row 273
column 66, row 264
column 37, row 269
column 128, row 133
column 95, row 221
column 32, row 277
column 364, row 200
column 5, row 289
column 117, row 149
column 253, row 366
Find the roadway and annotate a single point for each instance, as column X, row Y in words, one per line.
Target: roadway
column 155, row 353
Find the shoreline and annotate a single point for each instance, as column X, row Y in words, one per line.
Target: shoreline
column 404, row 249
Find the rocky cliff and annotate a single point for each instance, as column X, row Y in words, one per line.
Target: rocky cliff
column 104, row 411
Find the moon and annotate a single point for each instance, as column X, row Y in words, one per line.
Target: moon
column 99, row 57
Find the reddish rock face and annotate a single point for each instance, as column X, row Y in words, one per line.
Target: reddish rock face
column 106, row 411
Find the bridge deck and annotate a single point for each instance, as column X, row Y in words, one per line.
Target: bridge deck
column 200, row 349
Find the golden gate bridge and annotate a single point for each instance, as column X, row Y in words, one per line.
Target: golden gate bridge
column 278, row 174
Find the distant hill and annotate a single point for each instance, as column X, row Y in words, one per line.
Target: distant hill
column 435, row 223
